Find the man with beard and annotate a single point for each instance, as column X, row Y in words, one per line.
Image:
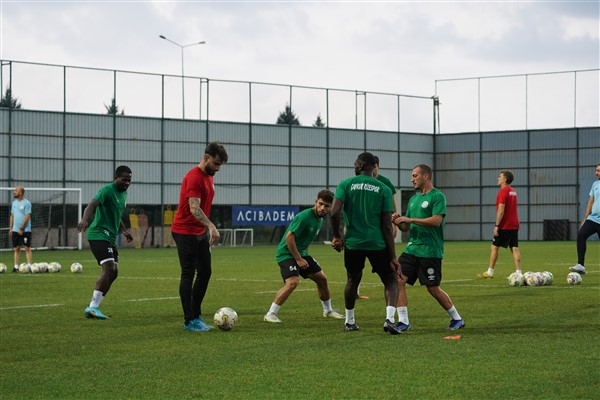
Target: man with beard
column 194, row 233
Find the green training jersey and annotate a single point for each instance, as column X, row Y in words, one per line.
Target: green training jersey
column 107, row 218
column 365, row 199
column 305, row 226
column 426, row 241
column 387, row 182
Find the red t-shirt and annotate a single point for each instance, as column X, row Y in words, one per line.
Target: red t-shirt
column 508, row 196
column 195, row 184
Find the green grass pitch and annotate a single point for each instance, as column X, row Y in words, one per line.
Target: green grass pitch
column 525, row 342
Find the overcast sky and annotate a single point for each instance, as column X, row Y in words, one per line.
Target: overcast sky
column 391, row 47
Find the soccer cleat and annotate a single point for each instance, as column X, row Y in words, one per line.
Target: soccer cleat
column 456, row 324
column 15, row 269
column 390, row 327
column 94, row 312
column 402, row 327
column 580, row 269
column 270, row 317
column 333, row 314
column 485, row 275
column 203, row 325
column 197, row 325
column 350, row 327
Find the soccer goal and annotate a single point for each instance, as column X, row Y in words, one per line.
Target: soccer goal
column 55, row 213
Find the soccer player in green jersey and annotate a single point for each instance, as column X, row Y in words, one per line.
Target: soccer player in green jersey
column 107, row 209
column 367, row 208
column 422, row 257
column 294, row 260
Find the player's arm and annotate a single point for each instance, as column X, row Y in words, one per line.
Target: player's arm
column 336, row 214
column 89, row 211
column 25, row 221
column 290, row 241
column 213, row 232
column 10, row 224
column 388, row 236
column 433, row 221
column 127, row 235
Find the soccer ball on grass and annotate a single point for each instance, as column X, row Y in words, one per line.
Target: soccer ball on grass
column 3, row 268
column 516, row 279
column 226, row 318
column 573, row 278
column 76, row 268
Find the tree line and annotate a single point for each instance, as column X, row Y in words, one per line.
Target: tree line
column 286, row 117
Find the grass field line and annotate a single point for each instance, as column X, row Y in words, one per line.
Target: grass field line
column 31, row 306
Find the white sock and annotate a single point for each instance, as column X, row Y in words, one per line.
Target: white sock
column 350, row 317
column 453, row 313
column 326, row 305
column 274, row 308
column 490, row 271
column 519, row 271
column 97, row 298
column 389, row 313
column 403, row 315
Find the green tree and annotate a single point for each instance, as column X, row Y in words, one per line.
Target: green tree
column 319, row 122
column 113, row 109
column 287, row 117
column 8, row 101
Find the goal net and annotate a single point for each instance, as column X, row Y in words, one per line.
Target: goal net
column 55, row 213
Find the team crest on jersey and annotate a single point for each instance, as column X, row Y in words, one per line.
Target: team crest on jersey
column 424, row 204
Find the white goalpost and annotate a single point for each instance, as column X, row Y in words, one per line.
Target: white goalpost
column 55, row 213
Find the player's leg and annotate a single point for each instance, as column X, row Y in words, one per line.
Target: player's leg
column 290, row 274
column 354, row 262
column 16, row 241
column 320, row 279
column 430, row 274
column 27, row 246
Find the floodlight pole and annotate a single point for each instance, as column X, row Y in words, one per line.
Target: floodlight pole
column 182, row 47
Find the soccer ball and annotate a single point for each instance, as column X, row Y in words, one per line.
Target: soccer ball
column 226, row 318
column 76, row 268
column 548, row 277
column 573, row 278
column 35, row 268
column 531, row 278
column 43, row 267
column 54, row 267
column 24, row 268
column 3, row 268
column 516, row 279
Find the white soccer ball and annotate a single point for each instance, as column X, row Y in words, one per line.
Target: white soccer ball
column 548, row 277
column 573, row 278
column 43, row 266
column 3, row 268
column 54, row 267
column 35, row 268
column 226, row 318
column 76, row 268
column 24, row 268
column 531, row 278
column 516, row 279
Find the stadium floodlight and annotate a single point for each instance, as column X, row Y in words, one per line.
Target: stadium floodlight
column 182, row 47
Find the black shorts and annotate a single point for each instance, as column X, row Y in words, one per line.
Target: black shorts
column 104, row 251
column 19, row 241
column 289, row 268
column 506, row 238
column 354, row 261
column 428, row 270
